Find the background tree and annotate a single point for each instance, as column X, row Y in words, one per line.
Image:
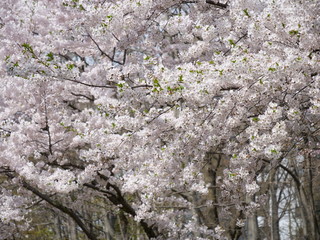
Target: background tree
column 178, row 119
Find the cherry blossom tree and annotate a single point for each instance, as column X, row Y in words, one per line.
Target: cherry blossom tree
column 174, row 112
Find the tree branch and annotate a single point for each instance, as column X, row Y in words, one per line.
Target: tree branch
column 217, row 4
column 104, row 53
column 294, row 177
column 118, row 200
column 243, row 36
column 62, row 208
column 85, row 84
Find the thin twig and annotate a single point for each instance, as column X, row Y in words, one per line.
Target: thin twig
column 103, row 52
column 243, row 36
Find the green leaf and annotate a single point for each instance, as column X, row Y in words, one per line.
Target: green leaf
column 246, row 12
column 183, row 165
column 81, row 7
column 180, row 78
column 274, row 151
column 70, row 66
column 50, row 56
column 231, row 42
column 255, row 119
column 156, row 82
column 293, row 32
column 232, row 174
column 27, row 48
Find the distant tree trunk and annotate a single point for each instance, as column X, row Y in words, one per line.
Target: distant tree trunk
column 310, row 228
column 252, row 224
column 196, row 212
column 57, row 226
column 275, row 230
column 108, row 226
column 211, row 217
column 305, row 192
column 72, row 231
column 215, row 164
column 123, row 225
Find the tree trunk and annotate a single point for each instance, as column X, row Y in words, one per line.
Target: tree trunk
column 108, row 226
column 252, row 224
column 310, row 229
column 72, row 231
column 210, row 172
column 275, row 230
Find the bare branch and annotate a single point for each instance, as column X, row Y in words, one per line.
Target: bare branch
column 91, row 98
column 85, row 84
column 62, row 208
column 217, row 4
column 103, row 52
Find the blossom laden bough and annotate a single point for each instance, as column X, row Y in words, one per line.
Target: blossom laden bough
column 172, row 111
